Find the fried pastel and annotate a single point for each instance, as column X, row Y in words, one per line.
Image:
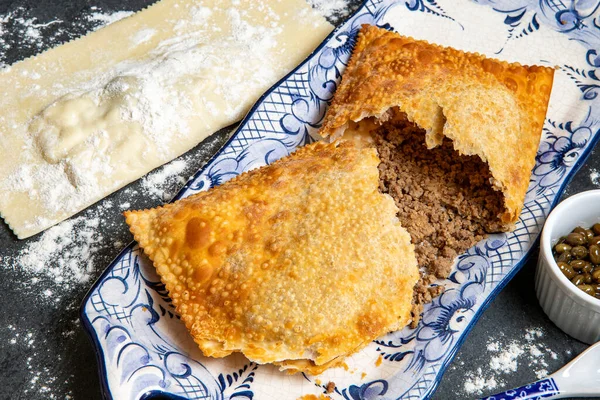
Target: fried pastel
column 488, row 108
column 298, row 263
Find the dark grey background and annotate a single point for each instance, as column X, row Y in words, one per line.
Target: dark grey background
column 56, row 365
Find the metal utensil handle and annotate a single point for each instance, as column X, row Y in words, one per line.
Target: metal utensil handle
column 542, row 389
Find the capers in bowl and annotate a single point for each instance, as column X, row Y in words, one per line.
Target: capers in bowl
column 579, row 252
column 578, row 258
column 576, row 239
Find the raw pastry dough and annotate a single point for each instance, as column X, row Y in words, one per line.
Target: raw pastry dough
column 298, row 263
column 488, row 108
column 86, row 118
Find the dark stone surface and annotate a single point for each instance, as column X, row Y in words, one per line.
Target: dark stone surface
column 45, row 354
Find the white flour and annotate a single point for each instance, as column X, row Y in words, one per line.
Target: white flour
column 156, row 184
column 164, row 182
column 63, row 255
column 477, row 384
column 158, row 94
column 34, row 35
column 142, row 36
column 336, row 9
column 506, row 358
column 107, row 19
column 41, row 379
column 595, row 177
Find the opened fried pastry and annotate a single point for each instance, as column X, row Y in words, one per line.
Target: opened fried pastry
column 299, row 263
column 457, row 134
column 488, row 108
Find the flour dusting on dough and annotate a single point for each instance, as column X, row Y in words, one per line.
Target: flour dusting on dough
column 114, row 123
column 142, row 36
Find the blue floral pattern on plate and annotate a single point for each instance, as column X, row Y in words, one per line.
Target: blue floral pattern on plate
column 142, row 347
column 537, row 390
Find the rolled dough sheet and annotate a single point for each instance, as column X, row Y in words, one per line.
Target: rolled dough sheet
column 86, row 118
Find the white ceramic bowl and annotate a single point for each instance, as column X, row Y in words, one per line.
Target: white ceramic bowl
column 573, row 311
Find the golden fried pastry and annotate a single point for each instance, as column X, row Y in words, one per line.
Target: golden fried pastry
column 299, row 263
column 487, row 108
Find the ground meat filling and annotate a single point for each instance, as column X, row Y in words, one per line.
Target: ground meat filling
column 446, row 200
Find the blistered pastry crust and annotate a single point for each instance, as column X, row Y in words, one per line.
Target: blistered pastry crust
column 488, row 107
column 299, row 263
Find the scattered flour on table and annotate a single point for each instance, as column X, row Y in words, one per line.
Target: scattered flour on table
column 156, row 183
column 71, row 244
column 106, row 19
column 41, row 379
column 33, row 36
column 506, row 357
column 595, row 177
column 335, row 9
column 506, row 360
column 64, row 256
column 478, row 384
column 166, row 181
column 26, row 28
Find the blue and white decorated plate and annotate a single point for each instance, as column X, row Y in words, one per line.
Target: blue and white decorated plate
column 143, row 348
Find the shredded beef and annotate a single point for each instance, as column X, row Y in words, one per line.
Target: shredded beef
column 446, row 201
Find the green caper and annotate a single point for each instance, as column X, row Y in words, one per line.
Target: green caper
column 562, row 247
column 589, row 234
column 578, row 258
column 567, row 270
column 577, row 280
column 576, row 239
column 595, row 240
column 595, row 254
column 578, row 264
column 579, row 252
column 565, row 257
column 589, row 289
